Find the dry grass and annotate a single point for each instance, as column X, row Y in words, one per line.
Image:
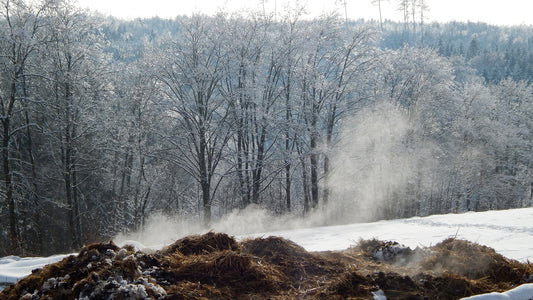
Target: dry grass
column 475, row 261
column 202, row 244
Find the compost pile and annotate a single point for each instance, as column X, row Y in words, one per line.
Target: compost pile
column 216, row 266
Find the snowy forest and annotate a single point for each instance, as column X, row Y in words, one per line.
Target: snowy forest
column 106, row 122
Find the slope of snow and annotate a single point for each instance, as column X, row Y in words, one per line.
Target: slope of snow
column 523, row 292
column 12, row 267
column 510, row 232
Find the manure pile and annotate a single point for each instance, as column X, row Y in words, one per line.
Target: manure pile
column 216, row 266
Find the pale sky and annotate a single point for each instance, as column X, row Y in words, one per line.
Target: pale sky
column 497, row 12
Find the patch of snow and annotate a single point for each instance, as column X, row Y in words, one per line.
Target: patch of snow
column 13, row 268
column 121, row 254
column 121, row 289
column 379, row 295
column 522, row 292
column 390, row 251
column 136, row 245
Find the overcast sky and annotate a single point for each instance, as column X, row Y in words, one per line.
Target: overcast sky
column 498, row 12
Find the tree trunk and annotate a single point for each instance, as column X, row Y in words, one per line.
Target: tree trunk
column 380, row 16
column 144, row 205
column 76, row 199
column 258, row 170
column 329, row 138
column 242, row 168
column 326, row 192
column 288, row 186
column 68, row 194
column 288, row 179
column 8, row 184
column 205, row 182
column 314, row 180
column 314, row 162
column 206, row 203
column 139, row 204
column 33, row 193
column 305, row 184
column 288, row 109
column 69, row 170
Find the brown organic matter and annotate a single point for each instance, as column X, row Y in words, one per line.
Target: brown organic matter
column 216, row 266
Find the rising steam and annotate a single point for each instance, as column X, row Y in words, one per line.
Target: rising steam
column 370, row 163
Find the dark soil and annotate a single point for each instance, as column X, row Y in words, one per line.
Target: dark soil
column 216, row 266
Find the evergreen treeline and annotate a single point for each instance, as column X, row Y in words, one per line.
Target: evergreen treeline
column 495, row 52
column 104, row 122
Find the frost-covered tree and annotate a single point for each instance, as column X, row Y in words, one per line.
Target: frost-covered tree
column 21, row 25
column 75, row 90
column 315, row 90
column 133, row 147
column 192, row 73
column 292, row 41
column 378, row 3
column 252, row 89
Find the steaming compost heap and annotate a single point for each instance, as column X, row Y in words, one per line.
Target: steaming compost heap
column 216, row 266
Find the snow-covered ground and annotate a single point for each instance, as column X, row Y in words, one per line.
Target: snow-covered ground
column 523, row 292
column 510, row 232
column 13, row 268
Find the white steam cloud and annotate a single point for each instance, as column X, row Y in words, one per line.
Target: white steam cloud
column 371, row 162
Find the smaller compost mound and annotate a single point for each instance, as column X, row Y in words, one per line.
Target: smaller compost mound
column 475, row 261
column 202, row 244
column 215, row 259
column 233, row 270
column 291, row 259
column 216, row 266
